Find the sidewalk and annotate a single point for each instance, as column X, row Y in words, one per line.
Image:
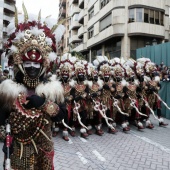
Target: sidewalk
column 135, row 150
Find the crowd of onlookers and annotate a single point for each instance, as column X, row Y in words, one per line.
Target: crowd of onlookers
column 164, row 72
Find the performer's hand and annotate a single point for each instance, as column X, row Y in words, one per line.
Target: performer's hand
column 106, row 87
column 78, row 98
column 34, row 101
column 94, row 95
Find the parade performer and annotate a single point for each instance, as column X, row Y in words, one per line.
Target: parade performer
column 80, row 96
column 65, row 73
column 141, row 92
column 95, row 85
column 31, row 103
column 131, row 99
column 152, row 80
column 104, row 69
column 119, row 83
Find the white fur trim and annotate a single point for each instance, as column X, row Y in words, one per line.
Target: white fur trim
column 114, row 124
column 82, row 130
column 147, row 79
column 12, row 89
column 52, row 90
column 72, row 83
column 100, row 83
column 127, row 123
column 148, row 122
column 157, row 79
column 65, row 133
column 52, row 56
column 124, row 82
column 161, row 120
column 140, row 124
column 89, row 127
column 124, row 125
column 56, row 129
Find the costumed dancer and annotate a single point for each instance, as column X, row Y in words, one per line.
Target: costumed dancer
column 80, row 96
column 140, row 92
column 95, row 85
column 119, row 84
column 29, row 102
column 104, row 69
column 152, row 87
column 131, row 99
column 65, row 73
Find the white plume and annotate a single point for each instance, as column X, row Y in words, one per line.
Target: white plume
column 52, row 56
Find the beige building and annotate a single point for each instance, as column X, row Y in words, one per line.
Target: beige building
column 115, row 28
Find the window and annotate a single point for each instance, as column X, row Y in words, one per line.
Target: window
column 91, row 13
column 106, row 22
column 146, row 15
column 139, row 12
column 103, row 3
column 90, row 32
column 131, row 15
column 151, row 19
column 162, row 18
column 157, row 17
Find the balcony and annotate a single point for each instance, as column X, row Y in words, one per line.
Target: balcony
column 81, row 4
column 74, row 25
column 74, row 39
column 9, row 6
column 7, row 18
column 82, row 47
column 81, row 16
column 141, row 28
column 81, row 31
column 75, row 10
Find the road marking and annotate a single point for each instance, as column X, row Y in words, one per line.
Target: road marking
column 82, row 139
column 84, row 160
column 99, row 156
column 163, row 148
column 70, row 141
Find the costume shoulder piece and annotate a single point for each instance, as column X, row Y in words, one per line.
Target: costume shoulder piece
column 52, row 90
column 9, row 90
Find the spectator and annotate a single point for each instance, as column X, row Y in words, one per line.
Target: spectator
column 4, row 75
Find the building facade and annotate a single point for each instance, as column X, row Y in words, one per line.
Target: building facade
column 7, row 11
column 116, row 28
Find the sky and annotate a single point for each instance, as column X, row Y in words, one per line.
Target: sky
column 48, row 7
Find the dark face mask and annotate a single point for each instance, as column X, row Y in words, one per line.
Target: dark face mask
column 32, row 72
column 118, row 79
column 95, row 78
column 65, row 78
column 81, row 77
column 106, row 79
column 141, row 78
column 131, row 79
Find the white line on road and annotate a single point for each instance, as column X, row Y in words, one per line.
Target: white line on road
column 163, row 148
column 99, row 156
column 84, row 160
column 82, row 139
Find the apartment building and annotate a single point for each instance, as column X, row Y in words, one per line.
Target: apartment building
column 116, row 28
column 7, row 11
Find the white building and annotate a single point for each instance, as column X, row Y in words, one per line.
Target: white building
column 116, row 28
column 7, row 11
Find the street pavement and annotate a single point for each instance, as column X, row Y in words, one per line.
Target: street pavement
column 135, row 150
